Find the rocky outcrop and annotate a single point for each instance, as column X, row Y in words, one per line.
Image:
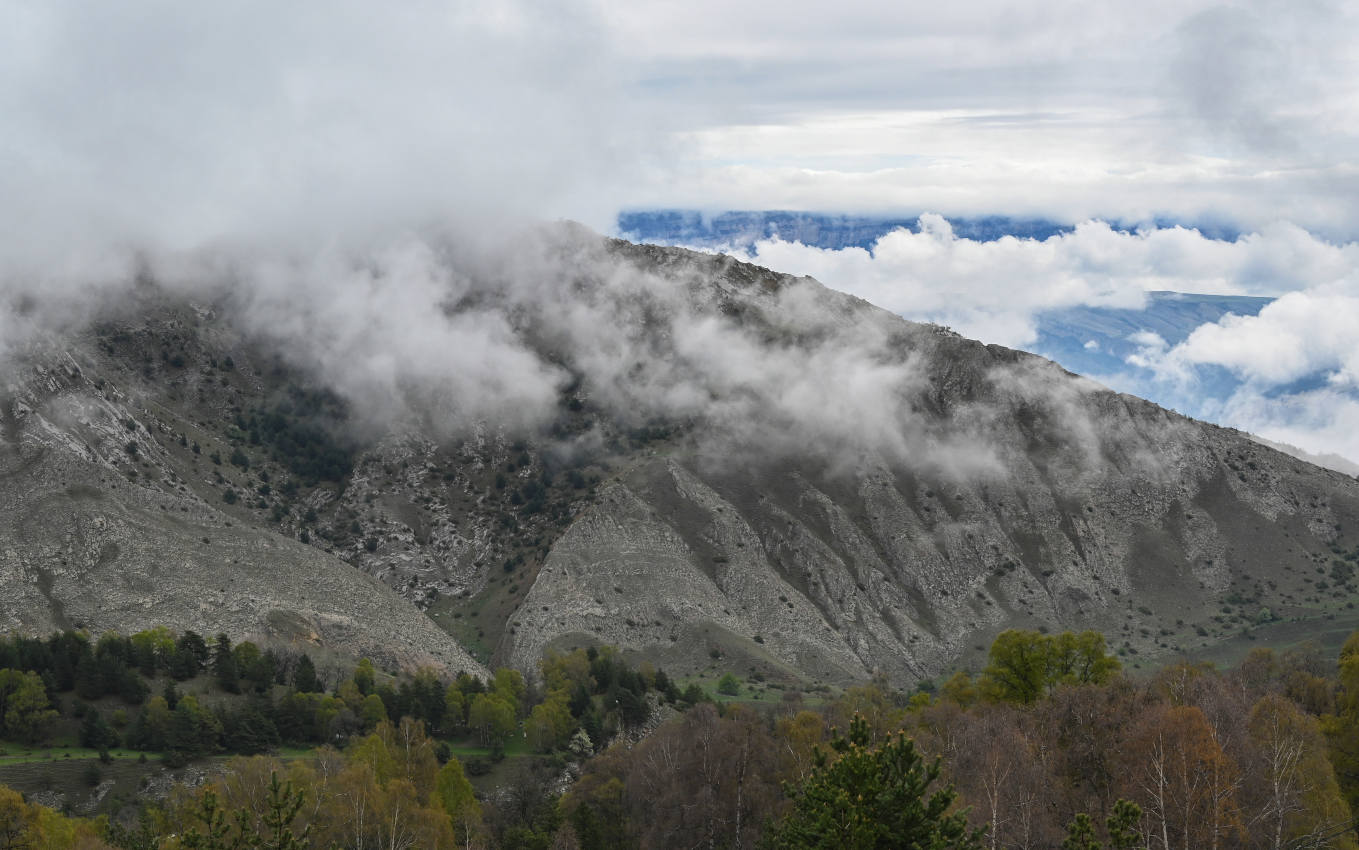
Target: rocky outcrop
column 99, row 531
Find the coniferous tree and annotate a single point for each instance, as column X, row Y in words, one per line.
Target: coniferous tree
column 224, row 666
column 304, row 677
column 873, row 798
column 1122, row 825
column 95, row 731
column 1080, row 834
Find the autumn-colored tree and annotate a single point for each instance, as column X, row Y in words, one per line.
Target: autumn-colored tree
column 798, row 736
column 871, row 702
column 1080, row 732
column 995, row 766
column 16, row 821
column 1175, row 683
column 710, row 778
column 704, row 779
column 1174, row 766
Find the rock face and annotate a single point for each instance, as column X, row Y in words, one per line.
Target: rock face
column 100, row 532
column 1031, row 498
column 741, row 469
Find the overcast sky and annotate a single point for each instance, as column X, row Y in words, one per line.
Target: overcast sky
column 157, row 126
column 201, row 121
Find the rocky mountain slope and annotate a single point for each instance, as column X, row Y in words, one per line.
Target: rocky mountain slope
column 712, row 465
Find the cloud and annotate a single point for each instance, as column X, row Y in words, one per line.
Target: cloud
column 1245, row 112
column 1267, row 78
column 998, row 291
column 995, row 290
column 355, row 176
column 445, row 332
column 1299, row 335
column 154, row 127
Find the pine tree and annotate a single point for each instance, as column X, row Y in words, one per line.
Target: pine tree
column 1122, row 825
column 868, row 799
column 95, row 732
column 224, row 666
column 282, row 807
column 1080, row 834
column 304, row 677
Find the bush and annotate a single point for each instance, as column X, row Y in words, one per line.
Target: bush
column 728, row 685
column 477, row 766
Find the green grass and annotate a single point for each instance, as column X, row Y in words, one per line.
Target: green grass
column 514, row 747
column 761, row 694
column 293, row 753
column 13, row 753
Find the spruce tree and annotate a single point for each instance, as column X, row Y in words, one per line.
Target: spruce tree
column 873, row 799
column 224, row 666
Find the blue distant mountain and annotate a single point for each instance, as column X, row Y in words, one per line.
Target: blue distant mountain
column 1097, row 341
column 741, row 229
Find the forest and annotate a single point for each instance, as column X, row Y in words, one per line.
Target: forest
column 1051, row 745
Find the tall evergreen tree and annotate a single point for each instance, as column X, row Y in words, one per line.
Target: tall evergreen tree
column 873, row 799
column 304, row 677
column 95, row 732
column 224, row 666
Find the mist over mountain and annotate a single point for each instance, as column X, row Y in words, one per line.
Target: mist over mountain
column 1238, row 328
column 559, row 439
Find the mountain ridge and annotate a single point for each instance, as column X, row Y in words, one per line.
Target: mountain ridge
column 740, row 468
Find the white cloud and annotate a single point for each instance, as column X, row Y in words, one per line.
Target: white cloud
column 1246, row 111
column 994, row 290
column 152, row 126
column 1299, row 335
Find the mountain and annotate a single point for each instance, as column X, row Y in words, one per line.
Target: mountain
column 707, row 463
column 1106, row 343
column 1100, row 340
column 739, row 230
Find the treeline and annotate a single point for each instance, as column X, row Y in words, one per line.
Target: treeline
column 386, row 789
column 1050, row 744
column 250, row 700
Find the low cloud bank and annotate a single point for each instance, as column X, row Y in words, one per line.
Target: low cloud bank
column 1297, row 361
